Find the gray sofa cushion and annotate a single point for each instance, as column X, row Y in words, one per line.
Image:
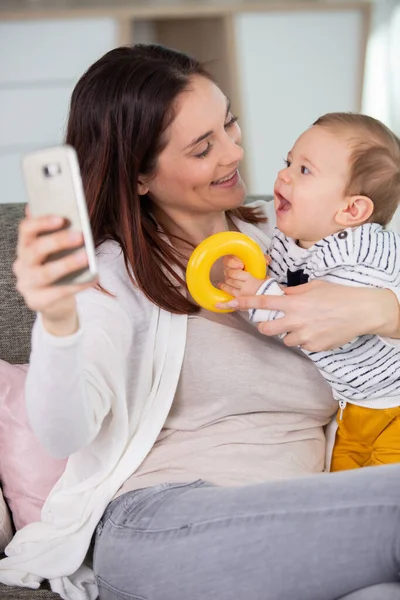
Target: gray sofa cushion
column 17, row 593
column 15, row 318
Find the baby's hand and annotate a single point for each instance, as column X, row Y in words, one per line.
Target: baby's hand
column 237, row 281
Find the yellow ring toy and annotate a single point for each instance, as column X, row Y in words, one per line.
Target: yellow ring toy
column 205, row 255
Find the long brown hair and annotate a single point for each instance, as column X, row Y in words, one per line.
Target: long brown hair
column 120, row 110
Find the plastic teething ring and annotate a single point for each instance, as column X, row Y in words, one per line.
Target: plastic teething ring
column 205, row 255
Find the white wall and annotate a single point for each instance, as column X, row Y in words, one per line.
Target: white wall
column 293, row 67
column 381, row 98
column 40, row 64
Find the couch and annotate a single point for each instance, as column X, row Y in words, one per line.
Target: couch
column 15, row 328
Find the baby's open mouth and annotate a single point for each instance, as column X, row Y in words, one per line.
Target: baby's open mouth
column 283, row 203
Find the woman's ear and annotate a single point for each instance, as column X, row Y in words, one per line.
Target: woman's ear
column 355, row 211
column 142, row 187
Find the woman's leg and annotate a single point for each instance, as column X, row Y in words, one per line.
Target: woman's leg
column 382, row 591
column 315, row 538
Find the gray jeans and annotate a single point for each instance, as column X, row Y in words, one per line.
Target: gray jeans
column 317, row 538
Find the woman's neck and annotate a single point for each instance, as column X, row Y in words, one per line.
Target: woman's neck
column 189, row 230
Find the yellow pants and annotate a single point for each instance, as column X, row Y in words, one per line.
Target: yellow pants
column 366, row 437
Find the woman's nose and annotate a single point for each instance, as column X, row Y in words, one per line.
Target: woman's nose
column 233, row 152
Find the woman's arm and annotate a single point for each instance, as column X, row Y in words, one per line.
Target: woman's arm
column 321, row 315
column 80, row 341
column 72, row 380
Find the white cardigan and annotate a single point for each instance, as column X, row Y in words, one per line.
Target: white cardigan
column 119, row 374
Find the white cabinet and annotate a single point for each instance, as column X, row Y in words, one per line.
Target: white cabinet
column 293, row 66
column 40, row 62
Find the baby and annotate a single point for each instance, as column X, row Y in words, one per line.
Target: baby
column 339, row 189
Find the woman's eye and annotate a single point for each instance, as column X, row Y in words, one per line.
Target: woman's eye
column 205, row 152
column 233, row 119
column 305, row 170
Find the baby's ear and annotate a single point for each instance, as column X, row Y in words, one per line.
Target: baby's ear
column 355, row 211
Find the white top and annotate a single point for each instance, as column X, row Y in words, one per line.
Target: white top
column 366, row 370
column 238, row 423
column 120, row 372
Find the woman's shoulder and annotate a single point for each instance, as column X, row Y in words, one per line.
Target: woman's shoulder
column 108, row 250
column 111, row 264
column 263, row 231
column 259, row 203
column 118, row 289
column 265, row 207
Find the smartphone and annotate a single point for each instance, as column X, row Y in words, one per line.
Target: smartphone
column 54, row 188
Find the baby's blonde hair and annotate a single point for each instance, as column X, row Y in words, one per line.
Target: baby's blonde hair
column 375, row 161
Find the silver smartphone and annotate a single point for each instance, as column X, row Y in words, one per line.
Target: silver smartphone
column 54, row 187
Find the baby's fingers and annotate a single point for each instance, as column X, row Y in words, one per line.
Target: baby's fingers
column 236, row 274
column 232, row 262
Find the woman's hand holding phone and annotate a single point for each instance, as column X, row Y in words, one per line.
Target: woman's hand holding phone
column 37, row 239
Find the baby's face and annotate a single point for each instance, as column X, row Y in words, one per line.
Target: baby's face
column 310, row 190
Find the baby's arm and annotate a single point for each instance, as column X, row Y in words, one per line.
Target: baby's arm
column 240, row 283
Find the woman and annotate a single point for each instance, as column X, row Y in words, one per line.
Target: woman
column 177, row 497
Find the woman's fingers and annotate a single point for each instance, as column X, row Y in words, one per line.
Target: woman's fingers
column 48, row 251
column 231, row 290
column 30, row 229
column 261, row 302
column 39, row 276
column 319, row 315
column 39, row 299
column 52, row 243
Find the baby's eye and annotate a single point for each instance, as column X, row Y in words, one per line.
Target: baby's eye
column 287, row 162
column 305, row 170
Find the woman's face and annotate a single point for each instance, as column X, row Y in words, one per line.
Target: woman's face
column 197, row 172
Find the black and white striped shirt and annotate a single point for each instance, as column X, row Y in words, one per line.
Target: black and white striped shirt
column 366, row 370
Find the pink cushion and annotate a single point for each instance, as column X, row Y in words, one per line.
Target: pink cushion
column 5, row 524
column 27, row 472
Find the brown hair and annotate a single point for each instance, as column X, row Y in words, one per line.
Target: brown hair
column 375, row 161
column 120, row 110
